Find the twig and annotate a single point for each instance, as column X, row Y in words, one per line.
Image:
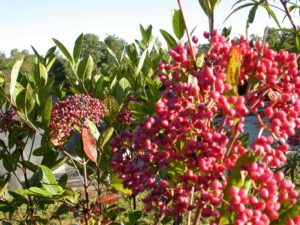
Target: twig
column 188, row 34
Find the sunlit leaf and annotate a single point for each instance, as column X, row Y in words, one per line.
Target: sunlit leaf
column 63, row 49
column 178, row 24
column 89, row 144
column 233, row 69
column 169, row 39
column 14, row 76
column 77, row 48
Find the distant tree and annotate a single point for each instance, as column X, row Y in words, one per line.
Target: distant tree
column 115, row 43
column 60, row 69
column 94, row 47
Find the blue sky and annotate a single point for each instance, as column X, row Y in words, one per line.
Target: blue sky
column 35, row 22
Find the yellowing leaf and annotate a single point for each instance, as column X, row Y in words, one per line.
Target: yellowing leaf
column 233, row 69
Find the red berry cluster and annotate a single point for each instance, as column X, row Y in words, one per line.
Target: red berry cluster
column 191, row 145
column 9, row 120
column 125, row 116
column 73, row 112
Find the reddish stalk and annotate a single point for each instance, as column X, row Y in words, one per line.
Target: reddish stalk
column 188, row 34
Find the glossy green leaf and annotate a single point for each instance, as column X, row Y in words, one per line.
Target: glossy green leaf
column 29, row 100
column 178, row 24
column 146, row 33
column 63, row 49
column 43, row 73
column 105, row 136
column 77, row 48
column 252, row 13
column 41, row 192
column 171, row 42
column 49, row 181
column 238, row 8
column 93, row 129
column 14, row 76
column 85, row 68
column 40, row 58
column 119, row 187
column 46, row 115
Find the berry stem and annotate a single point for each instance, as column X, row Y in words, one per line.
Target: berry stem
column 188, row 34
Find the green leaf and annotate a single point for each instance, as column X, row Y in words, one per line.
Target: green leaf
column 63, row 180
column 239, row 8
column 49, row 181
column 119, row 187
column 9, row 163
column 169, row 39
column 252, row 13
column 236, row 179
column 141, row 63
column 63, row 49
column 270, row 12
column 40, row 58
column 14, row 76
column 244, row 139
column 40, row 192
column 290, row 213
column 46, row 115
column 77, row 48
column 29, row 100
column 146, row 33
column 3, row 188
column 58, row 163
column 85, row 68
column 105, row 136
column 178, row 24
column 43, row 73
column 29, row 165
column 112, row 54
column 41, row 151
column 113, row 108
column 93, row 128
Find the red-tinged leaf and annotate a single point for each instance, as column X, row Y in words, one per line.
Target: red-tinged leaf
column 109, row 198
column 89, row 144
column 233, row 69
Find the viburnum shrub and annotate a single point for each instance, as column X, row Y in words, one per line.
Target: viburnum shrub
column 72, row 113
column 192, row 154
column 9, row 120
